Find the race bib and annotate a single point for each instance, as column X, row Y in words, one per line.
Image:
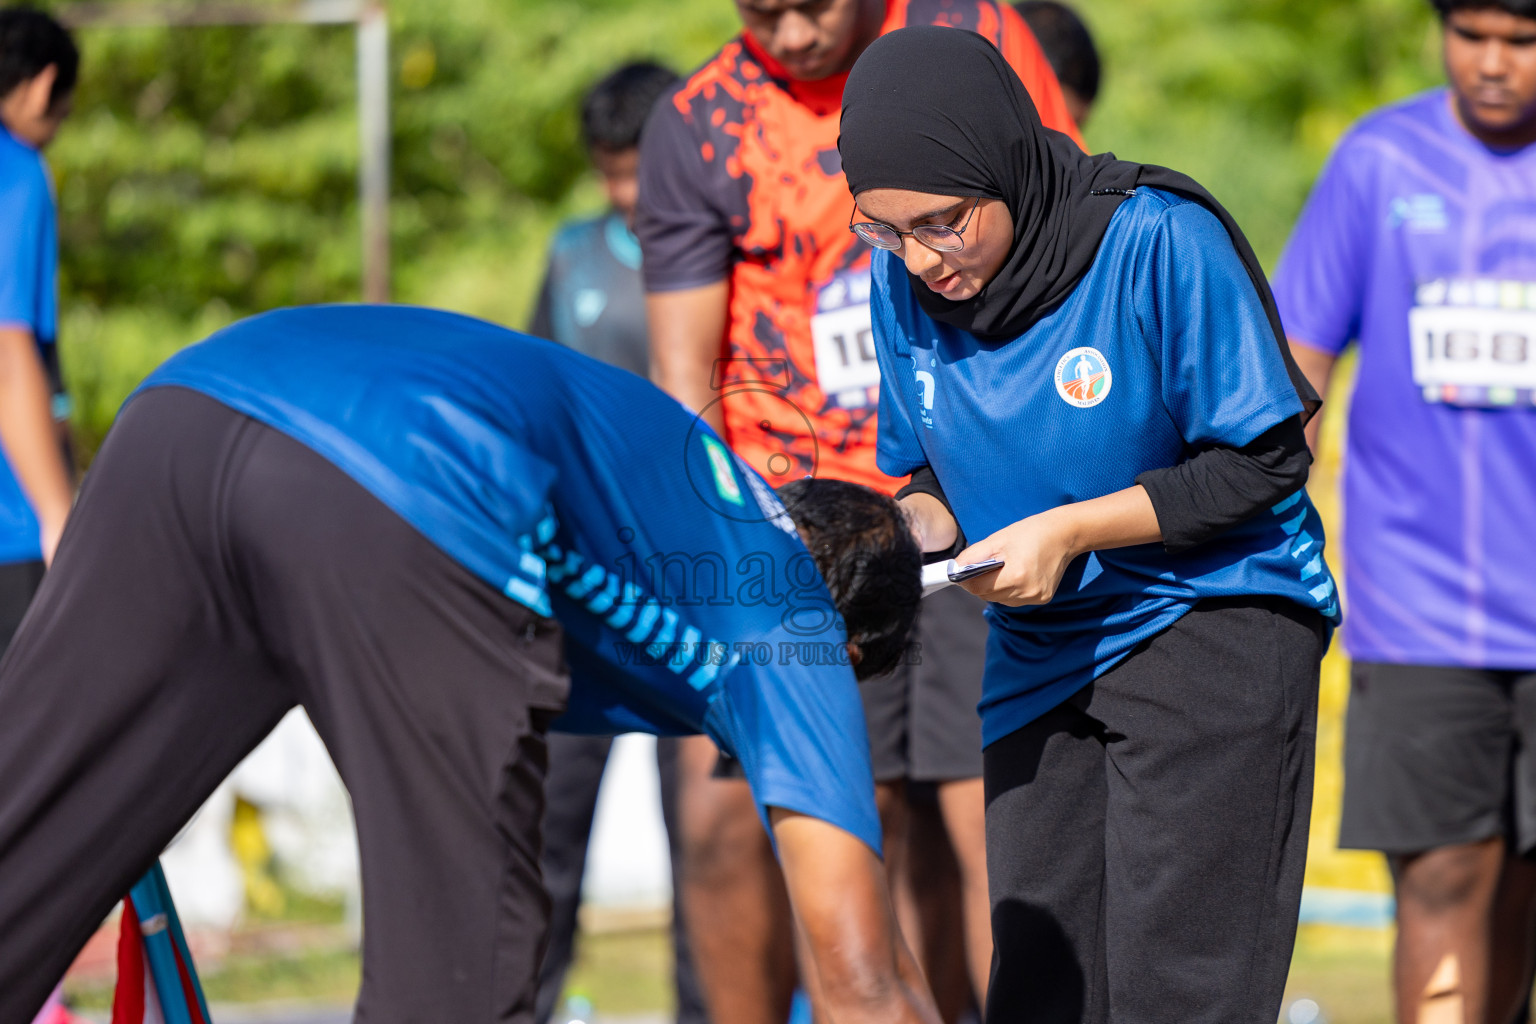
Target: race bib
column 1474, row 342
column 846, row 370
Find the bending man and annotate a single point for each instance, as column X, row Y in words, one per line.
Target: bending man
column 428, row 557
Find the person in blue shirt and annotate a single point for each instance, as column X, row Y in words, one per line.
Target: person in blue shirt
column 1083, row 371
column 439, row 558
column 38, row 68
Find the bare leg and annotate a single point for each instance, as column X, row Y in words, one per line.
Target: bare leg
column 734, row 902
column 930, row 884
column 965, row 819
column 1444, row 906
column 1514, row 951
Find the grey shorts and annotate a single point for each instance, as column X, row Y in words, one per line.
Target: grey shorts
column 1437, row 756
column 923, row 725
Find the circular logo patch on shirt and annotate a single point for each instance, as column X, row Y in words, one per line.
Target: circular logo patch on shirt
column 1083, row 378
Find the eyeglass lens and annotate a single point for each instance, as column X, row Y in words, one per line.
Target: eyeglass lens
column 935, row 236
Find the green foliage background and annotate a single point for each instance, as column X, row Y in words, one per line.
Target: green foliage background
column 211, row 173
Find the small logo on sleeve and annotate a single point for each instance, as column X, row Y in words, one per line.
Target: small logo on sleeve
column 1425, row 212
column 725, row 475
column 1083, row 378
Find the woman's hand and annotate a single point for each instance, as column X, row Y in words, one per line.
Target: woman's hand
column 1035, row 553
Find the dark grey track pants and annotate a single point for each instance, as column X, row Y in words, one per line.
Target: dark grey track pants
column 215, row 573
column 1146, row 839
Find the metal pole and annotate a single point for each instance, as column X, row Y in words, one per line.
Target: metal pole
column 373, row 122
column 97, row 13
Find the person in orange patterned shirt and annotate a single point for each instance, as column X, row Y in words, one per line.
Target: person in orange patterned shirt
column 757, row 297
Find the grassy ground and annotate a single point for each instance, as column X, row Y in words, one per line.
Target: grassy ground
column 1344, row 970
column 624, row 973
column 316, row 975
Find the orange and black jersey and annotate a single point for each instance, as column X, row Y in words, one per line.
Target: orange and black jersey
column 740, row 180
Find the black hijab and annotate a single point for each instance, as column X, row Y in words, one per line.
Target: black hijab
column 938, row 110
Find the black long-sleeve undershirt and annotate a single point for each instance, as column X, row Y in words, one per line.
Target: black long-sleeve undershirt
column 1205, row 495
column 1219, row 487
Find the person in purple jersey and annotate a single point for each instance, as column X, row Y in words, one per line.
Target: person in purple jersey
column 1419, row 244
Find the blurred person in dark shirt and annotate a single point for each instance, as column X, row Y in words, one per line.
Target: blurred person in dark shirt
column 592, row 299
column 1068, row 45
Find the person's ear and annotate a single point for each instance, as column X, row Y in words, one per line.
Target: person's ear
column 37, row 93
column 855, row 654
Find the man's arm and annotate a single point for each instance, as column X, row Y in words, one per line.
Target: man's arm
column 842, row 905
column 687, row 329
column 29, row 436
column 688, row 250
column 1317, row 366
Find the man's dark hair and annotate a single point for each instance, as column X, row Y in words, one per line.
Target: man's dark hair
column 865, row 550
column 1519, row 8
column 1067, row 45
column 616, row 108
column 29, row 41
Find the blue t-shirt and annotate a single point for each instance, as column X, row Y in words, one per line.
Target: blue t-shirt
column 1420, row 242
column 1163, row 347
column 29, row 258
column 688, row 602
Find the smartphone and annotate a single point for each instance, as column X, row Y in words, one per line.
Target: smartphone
column 961, row 573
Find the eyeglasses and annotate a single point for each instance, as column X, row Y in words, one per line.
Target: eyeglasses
column 939, row 237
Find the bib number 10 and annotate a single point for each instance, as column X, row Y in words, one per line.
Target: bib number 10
column 846, row 369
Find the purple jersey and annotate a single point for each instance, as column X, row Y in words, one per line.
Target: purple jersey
column 1420, row 242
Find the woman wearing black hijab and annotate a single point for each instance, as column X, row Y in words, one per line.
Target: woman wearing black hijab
column 1084, row 373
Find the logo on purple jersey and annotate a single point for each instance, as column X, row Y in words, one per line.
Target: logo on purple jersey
column 1423, row 212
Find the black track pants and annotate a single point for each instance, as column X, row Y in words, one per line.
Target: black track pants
column 214, row 573
column 1146, row 839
